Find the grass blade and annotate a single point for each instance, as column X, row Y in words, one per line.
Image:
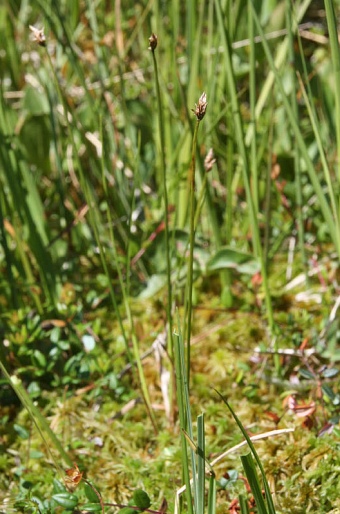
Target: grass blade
column 300, row 141
column 200, row 464
column 231, row 83
column 249, row 468
column 335, row 52
column 212, row 494
column 38, row 419
column 256, row 457
column 180, row 383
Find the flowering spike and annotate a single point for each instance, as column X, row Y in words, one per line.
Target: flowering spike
column 201, row 107
column 152, row 42
column 209, row 161
column 38, row 35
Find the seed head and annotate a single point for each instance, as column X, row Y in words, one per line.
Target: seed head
column 38, row 35
column 209, row 161
column 152, row 42
column 201, row 107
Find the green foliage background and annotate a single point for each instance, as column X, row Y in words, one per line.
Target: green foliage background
column 83, row 239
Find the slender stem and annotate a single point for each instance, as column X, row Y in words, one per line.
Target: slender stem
column 252, row 103
column 297, row 157
column 335, row 52
column 183, row 414
column 227, row 293
column 39, row 420
column 125, row 293
column 200, row 464
column 188, row 313
column 166, row 203
column 268, row 194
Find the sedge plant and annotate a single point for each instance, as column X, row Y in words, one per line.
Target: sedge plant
column 200, row 110
column 153, row 40
column 107, row 196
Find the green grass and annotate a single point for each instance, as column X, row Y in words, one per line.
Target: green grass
column 137, row 275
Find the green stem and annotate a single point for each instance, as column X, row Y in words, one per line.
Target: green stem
column 335, row 52
column 166, row 204
column 38, row 419
column 297, row 157
column 183, row 414
column 188, row 310
column 125, row 292
column 252, row 103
